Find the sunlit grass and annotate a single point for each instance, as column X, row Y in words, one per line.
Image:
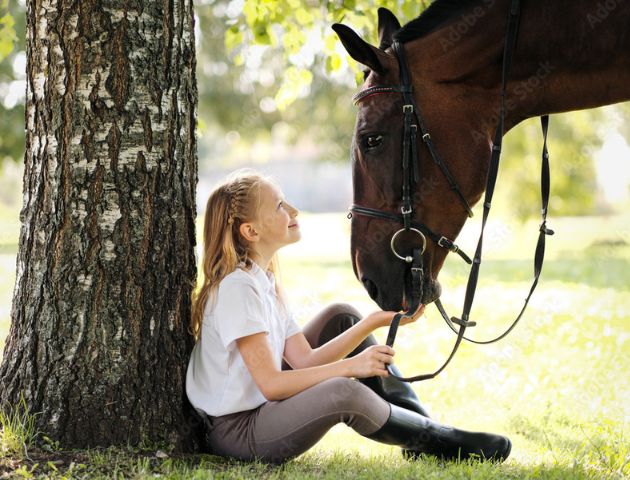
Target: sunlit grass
column 17, row 431
column 557, row 386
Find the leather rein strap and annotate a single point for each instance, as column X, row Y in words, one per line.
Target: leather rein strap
column 412, row 122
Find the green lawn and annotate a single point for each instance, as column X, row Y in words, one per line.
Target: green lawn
column 558, row 386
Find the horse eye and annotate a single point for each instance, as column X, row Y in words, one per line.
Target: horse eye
column 374, row 141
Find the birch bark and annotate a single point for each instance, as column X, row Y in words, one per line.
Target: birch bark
column 98, row 342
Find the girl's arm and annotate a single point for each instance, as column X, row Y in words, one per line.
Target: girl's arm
column 299, row 354
column 278, row 384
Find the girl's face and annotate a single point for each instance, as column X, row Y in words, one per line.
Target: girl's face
column 277, row 224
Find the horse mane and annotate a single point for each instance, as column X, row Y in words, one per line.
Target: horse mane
column 435, row 15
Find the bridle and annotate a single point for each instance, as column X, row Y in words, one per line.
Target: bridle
column 413, row 125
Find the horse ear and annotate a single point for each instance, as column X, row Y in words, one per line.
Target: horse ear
column 359, row 49
column 387, row 25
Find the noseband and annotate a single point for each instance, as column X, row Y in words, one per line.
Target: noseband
column 413, row 125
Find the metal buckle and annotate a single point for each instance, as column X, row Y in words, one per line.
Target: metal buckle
column 406, row 212
column 408, row 108
column 447, row 243
column 426, row 137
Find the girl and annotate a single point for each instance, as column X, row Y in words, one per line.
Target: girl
column 258, row 407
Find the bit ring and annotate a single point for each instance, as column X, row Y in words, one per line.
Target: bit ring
column 408, row 259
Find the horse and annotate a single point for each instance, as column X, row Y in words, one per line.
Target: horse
column 567, row 55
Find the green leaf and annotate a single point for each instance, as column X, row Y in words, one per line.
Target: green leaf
column 233, row 38
column 330, row 42
column 261, row 35
column 303, row 17
column 293, row 39
column 333, row 62
column 295, row 80
column 7, row 35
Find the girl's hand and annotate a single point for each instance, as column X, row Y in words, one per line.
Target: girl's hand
column 371, row 362
column 416, row 315
column 384, row 318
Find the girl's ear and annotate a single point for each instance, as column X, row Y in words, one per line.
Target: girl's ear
column 249, row 232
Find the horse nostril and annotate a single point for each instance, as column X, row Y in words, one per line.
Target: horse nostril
column 371, row 288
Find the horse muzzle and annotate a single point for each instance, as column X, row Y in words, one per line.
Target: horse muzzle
column 391, row 297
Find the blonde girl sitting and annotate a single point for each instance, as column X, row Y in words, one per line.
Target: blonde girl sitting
column 258, row 407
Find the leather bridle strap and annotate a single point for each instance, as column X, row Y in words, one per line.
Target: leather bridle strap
column 492, row 176
column 440, row 240
column 406, row 90
column 510, row 41
column 464, row 322
column 539, row 256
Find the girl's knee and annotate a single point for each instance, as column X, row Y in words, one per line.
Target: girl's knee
column 335, row 309
column 342, row 393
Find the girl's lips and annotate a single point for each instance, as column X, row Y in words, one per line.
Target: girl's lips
column 294, row 225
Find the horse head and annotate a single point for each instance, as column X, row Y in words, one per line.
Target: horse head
column 377, row 151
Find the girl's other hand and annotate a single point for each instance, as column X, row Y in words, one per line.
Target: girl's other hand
column 416, row 315
column 371, row 362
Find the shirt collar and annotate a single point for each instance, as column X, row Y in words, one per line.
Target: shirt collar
column 266, row 279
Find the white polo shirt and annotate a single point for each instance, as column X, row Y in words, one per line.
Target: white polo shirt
column 218, row 381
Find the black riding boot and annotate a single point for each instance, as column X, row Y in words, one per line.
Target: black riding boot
column 418, row 434
column 395, row 391
column 389, row 388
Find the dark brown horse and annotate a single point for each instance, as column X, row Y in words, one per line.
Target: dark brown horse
column 569, row 55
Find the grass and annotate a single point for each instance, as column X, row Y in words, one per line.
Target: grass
column 17, row 431
column 557, row 386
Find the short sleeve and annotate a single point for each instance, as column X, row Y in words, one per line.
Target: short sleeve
column 239, row 312
column 292, row 327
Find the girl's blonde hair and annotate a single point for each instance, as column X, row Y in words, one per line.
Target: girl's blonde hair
column 231, row 204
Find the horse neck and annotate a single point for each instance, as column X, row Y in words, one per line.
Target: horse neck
column 570, row 55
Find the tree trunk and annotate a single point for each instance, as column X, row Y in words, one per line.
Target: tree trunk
column 99, row 337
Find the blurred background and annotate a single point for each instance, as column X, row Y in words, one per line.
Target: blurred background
column 276, row 96
column 281, row 101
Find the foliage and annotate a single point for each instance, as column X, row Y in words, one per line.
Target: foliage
column 12, row 34
column 273, row 73
column 7, row 30
column 299, row 85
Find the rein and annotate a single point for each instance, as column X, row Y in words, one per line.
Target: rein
column 412, row 122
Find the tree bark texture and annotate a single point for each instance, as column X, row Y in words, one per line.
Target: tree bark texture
column 99, row 338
